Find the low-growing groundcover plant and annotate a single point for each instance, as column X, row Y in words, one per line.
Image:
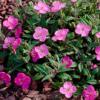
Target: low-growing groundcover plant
column 56, row 41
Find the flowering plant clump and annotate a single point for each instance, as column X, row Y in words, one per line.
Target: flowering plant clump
column 5, row 78
column 23, row 81
column 89, row 93
column 56, row 41
column 68, row 89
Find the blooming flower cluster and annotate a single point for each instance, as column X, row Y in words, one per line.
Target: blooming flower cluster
column 39, row 52
column 11, row 22
column 13, row 42
column 23, row 81
column 89, row 93
column 60, row 35
column 68, row 89
column 97, row 51
column 5, row 78
column 43, row 8
column 67, row 61
column 40, row 34
column 82, row 29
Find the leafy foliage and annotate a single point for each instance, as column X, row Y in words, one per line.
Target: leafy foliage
column 81, row 50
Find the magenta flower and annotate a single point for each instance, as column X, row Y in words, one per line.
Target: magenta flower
column 42, row 7
column 98, row 34
column 40, row 34
column 18, row 32
column 23, row 81
column 8, row 41
column 34, row 55
column 42, row 50
column 6, row 78
column 57, row 6
column 39, row 52
column 97, row 51
column 67, row 61
column 94, row 66
column 16, row 44
column 82, row 29
column 68, row 89
column 60, row 35
column 89, row 93
column 13, row 42
column 11, row 22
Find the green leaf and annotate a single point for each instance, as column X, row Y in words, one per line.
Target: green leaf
column 38, row 76
column 64, row 76
column 71, row 35
column 80, row 67
column 47, row 77
column 91, row 81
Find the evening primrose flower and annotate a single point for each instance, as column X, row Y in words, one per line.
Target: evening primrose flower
column 40, row 34
column 12, row 42
column 11, row 22
column 39, row 52
column 42, row 7
column 60, row 35
column 89, row 93
column 67, row 61
column 68, row 89
column 82, row 29
column 16, row 44
column 23, row 81
column 5, row 77
column 57, row 6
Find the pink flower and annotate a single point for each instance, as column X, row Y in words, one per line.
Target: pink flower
column 67, row 61
column 57, row 6
column 13, row 42
column 34, row 55
column 11, row 22
column 6, row 78
column 60, row 35
column 89, row 93
column 40, row 34
column 97, row 51
column 8, row 41
column 42, row 7
column 98, row 34
column 82, row 29
column 68, row 89
column 94, row 66
column 73, row 1
column 23, row 81
column 18, row 32
column 42, row 50
column 39, row 52
column 16, row 44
